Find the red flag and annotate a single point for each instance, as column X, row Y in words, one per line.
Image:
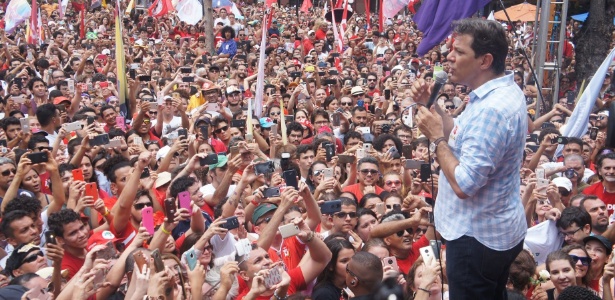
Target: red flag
column 33, row 36
column 307, row 4
column 160, row 8
column 270, row 18
column 268, row 3
column 82, row 25
column 381, row 18
column 78, row 5
column 411, row 5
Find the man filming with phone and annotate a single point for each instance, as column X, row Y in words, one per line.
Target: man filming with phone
column 481, row 152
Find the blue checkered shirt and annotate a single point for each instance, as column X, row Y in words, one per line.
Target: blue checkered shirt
column 488, row 139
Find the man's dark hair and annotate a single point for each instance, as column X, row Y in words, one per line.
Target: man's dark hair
column 104, row 108
column 45, row 113
column 181, row 184
column 59, row 219
column 8, row 218
column 371, row 262
column 575, row 140
column 226, row 29
column 547, row 131
column 368, row 160
column 488, row 37
column 23, row 279
column 319, row 112
column 292, row 126
column 358, row 108
column 601, row 158
column 352, row 134
column 574, row 215
column 115, row 132
column 36, row 139
column 420, row 141
column 24, row 203
column 10, row 121
column 577, row 293
column 33, row 80
column 302, row 149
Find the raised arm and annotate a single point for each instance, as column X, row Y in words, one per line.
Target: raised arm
column 121, row 209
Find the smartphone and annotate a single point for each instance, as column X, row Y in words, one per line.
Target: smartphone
column 157, row 60
column 157, row 257
column 360, row 153
column 231, row 223
column 139, row 260
column 436, row 247
column 393, row 151
column 327, row 173
column 540, row 173
column 425, row 172
column 570, row 98
column 50, row 237
column 38, row 157
column 427, row 253
column 406, row 151
column 413, row 164
column 78, row 175
column 274, row 129
column 390, row 261
column 271, row 192
column 147, row 218
column 132, row 73
column 191, row 258
column 204, row 131
column 170, row 207
column 91, row 120
column 547, row 125
column 367, row 147
column 560, row 140
column 274, row 277
column 182, row 132
column 290, row 177
column 74, row 126
column 91, row 189
column 186, row 70
column 264, row 168
column 25, row 124
column 99, row 140
column 387, row 94
column 238, row 123
column 329, row 151
column 380, row 208
column 188, row 79
column 330, row 81
column 210, row 159
column 331, row 207
column 71, row 85
column 108, row 253
column 534, row 148
column 212, row 107
column 345, row 159
column 99, row 278
column 336, row 119
column 289, row 230
column 184, row 201
column 145, row 173
column 145, row 78
column 593, row 133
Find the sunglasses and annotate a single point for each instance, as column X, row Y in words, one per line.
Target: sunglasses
column 358, row 95
column 450, row 107
column 584, row 260
column 33, row 258
column 346, row 104
column 8, row 172
column 274, row 113
column 317, row 173
column 219, row 130
column 265, row 220
column 544, row 202
column 368, row 79
column 343, row 215
column 391, row 182
column 402, row 232
column 369, row 171
column 140, row 206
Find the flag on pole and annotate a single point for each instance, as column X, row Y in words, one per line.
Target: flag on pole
column 305, row 6
column 130, row 6
column 381, row 16
column 119, row 57
column 344, row 17
column 411, row 5
column 338, row 38
column 160, row 8
column 368, row 19
column 324, row 10
column 435, row 17
column 390, row 8
column 283, row 124
column 260, row 79
column 82, row 24
column 33, row 36
column 576, row 126
column 189, row 11
column 491, row 17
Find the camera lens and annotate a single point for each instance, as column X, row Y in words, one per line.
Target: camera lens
column 390, row 261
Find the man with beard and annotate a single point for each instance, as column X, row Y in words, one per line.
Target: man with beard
column 598, row 212
column 329, row 42
column 368, row 175
column 602, row 121
column 141, row 123
column 234, row 99
column 372, row 79
column 605, row 188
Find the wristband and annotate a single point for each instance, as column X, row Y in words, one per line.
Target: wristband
column 106, row 213
column 254, row 202
column 275, row 294
column 310, row 237
column 164, row 230
column 425, row 290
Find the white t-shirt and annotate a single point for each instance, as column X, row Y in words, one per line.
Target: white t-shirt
column 210, row 190
column 551, row 165
column 224, row 21
column 175, row 123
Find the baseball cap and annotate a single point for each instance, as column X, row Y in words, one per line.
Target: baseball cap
column 232, row 89
column 12, row 292
column 563, row 182
column 311, row 31
column 266, row 122
column 222, row 160
column 261, row 210
column 357, row 90
column 162, row 152
column 18, row 256
column 604, row 241
column 58, row 100
column 163, row 178
column 415, row 60
column 214, row 67
column 100, row 238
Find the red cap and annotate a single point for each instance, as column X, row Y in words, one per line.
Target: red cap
column 58, row 100
column 100, row 238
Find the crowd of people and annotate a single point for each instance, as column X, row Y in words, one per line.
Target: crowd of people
column 170, row 186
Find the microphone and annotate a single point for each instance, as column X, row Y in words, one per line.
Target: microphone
column 440, row 77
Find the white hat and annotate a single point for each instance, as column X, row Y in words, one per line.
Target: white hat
column 311, row 31
column 357, row 90
column 163, row 178
column 563, row 182
column 162, row 152
column 106, row 52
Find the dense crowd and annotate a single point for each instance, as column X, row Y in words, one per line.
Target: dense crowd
column 170, row 186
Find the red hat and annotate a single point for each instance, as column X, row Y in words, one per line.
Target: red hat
column 58, row 100
column 100, row 238
column 273, row 36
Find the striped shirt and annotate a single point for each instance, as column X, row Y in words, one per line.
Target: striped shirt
column 488, row 139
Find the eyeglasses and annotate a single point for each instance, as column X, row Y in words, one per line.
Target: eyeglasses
column 265, row 220
column 544, row 202
column 584, row 260
column 346, row 104
column 450, row 107
column 219, row 130
column 391, row 182
column 273, row 113
column 569, row 234
column 8, row 172
column 140, row 206
column 371, row 79
column 32, row 258
column 369, row 171
column 153, row 112
column 352, row 273
column 343, row 215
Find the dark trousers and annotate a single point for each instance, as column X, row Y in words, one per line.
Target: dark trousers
column 475, row 271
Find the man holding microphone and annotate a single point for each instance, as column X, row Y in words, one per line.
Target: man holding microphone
column 479, row 210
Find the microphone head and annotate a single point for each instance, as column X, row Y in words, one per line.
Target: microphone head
column 440, row 77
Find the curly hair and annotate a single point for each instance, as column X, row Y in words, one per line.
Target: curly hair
column 57, row 220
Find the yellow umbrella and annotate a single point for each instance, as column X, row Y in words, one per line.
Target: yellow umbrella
column 524, row 12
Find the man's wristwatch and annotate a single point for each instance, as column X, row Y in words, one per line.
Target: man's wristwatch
column 434, row 145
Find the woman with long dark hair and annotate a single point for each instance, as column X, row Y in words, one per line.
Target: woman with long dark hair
column 332, row 280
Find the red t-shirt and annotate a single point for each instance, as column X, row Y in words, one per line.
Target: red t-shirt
column 355, row 189
column 46, row 183
column 297, row 282
column 72, row 264
column 292, row 252
column 598, row 190
column 406, row 263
